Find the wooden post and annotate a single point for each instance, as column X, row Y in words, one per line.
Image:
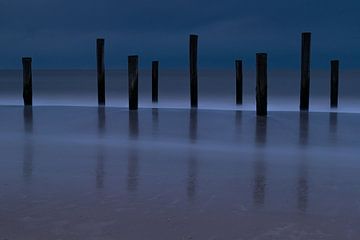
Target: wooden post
column 305, row 71
column 334, row 91
column 100, row 70
column 133, row 82
column 239, row 82
column 27, row 81
column 261, row 84
column 155, row 81
column 193, row 71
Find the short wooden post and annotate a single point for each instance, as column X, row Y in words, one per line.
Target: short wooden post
column 334, row 91
column 155, row 81
column 133, row 82
column 100, row 70
column 27, row 81
column 305, row 71
column 261, row 84
column 239, row 82
column 193, row 71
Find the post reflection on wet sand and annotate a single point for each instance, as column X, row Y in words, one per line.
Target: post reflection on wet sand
column 238, row 124
column 100, row 160
column 302, row 181
column 100, row 168
column 333, row 125
column 133, row 159
column 261, row 131
column 260, row 164
column 259, row 181
column 27, row 168
column 133, row 171
column 193, row 125
column 192, row 177
column 155, row 121
column 238, row 118
column 133, row 124
column 28, row 119
column 303, row 128
column 101, row 120
column 302, row 187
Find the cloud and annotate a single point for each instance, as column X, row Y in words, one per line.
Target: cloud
column 65, row 30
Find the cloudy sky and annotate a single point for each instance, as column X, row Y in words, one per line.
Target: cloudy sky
column 62, row 33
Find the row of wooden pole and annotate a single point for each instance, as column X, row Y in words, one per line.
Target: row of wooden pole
column 261, row 77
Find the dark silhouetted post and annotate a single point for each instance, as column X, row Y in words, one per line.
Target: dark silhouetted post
column 100, row 70
column 155, row 81
column 334, row 91
column 305, row 71
column 27, row 81
column 193, row 71
column 239, row 82
column 133, row 82
column 261, row 84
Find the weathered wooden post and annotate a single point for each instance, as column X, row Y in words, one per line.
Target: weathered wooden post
column 100, row 70
column 133, row 82
column 193, row 71
column 239, row 82
column 334, row 91
column 155, row 81
column 27, row 81
column 261, row 84
column 305, row 71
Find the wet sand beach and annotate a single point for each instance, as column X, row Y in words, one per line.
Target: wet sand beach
column 91, row 173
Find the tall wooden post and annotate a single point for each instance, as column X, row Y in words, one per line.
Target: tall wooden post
column 239, row 82
column 193, row 71
column 155, row 81
column 305, row 71
column 133, row 82
column 334, row 91
column 261, row 84
column 100, row 70
column 27, row 81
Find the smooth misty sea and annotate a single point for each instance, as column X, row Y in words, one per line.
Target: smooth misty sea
column 70, row 170
column 216, row 89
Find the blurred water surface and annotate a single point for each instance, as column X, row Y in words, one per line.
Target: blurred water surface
column 216, row 89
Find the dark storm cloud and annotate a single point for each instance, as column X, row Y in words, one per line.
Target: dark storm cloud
column 61, row 33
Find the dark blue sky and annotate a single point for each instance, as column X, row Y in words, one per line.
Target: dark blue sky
column 62, row 33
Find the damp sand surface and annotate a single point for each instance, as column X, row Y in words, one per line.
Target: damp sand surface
column 107, row 173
